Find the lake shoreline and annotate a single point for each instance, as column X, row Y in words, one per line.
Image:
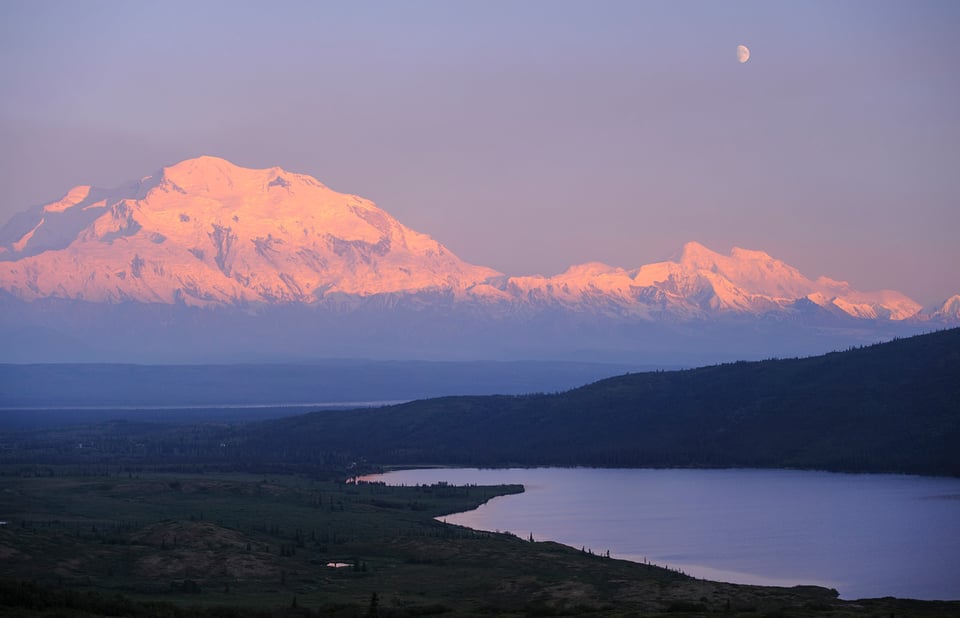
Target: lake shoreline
column 693, row 561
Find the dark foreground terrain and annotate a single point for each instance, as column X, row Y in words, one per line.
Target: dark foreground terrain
column 114, row 542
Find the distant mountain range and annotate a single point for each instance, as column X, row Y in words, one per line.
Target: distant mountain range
column 200, row 250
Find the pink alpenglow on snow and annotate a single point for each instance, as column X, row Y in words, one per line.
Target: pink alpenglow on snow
column 206, row 232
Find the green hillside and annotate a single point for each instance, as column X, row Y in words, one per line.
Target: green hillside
column 891, row 407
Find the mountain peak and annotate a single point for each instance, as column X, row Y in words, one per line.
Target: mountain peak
column 216, row 176
column 693, row 252
column 749, row 254
column 749, row 273
column 589, row 269
column 696, row 254
column 73, row 197
column 205, row 231
column 203, row 161
column 205, row 165
column 950, row 309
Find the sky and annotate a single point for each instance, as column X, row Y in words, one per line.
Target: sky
column 530, row 135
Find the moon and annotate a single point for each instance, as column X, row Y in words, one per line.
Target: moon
column 743, row 53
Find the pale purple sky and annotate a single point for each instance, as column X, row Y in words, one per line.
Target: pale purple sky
column 526, row 135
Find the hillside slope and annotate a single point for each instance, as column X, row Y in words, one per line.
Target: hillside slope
column 892, row 407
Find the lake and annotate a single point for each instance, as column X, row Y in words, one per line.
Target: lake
column 869, row 535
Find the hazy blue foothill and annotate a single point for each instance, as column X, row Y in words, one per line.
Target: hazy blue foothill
column 414, row 327
column 49, row 394
column 891, row 407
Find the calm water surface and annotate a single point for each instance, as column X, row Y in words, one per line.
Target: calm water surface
column 865, row 535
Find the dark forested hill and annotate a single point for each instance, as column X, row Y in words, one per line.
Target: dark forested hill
column 889, row 407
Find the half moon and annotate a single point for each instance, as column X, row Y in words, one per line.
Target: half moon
column 743, row 53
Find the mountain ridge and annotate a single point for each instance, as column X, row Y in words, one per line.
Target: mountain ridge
column 206, row 232
column 208, row 262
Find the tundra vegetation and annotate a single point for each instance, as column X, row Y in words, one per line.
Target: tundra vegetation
column 116, row 540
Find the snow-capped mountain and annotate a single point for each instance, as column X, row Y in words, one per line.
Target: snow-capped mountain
column 205, row 234
column 701, row 282
column 205, row 231
column 949, row 311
